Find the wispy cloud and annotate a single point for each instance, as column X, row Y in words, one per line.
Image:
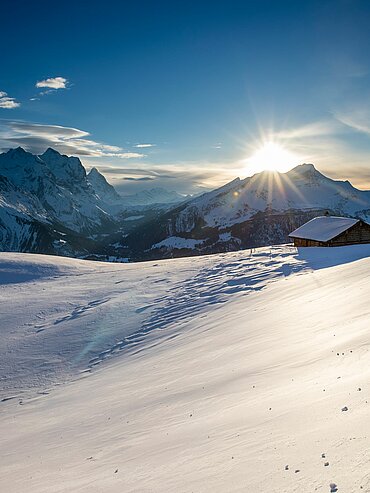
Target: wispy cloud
column 140, row 146
column 356, row 118
column 7, row 102
column 36, row 137
column 53, row 83
column 194, row 177
column 142, row 178
column 314, row 129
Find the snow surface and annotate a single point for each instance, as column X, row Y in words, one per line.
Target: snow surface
column 133, row 218
column 323, row 228
column 237, row 365
column 178, row 242
column 224, row 236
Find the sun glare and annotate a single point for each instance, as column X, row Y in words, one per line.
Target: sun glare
column 271, row 156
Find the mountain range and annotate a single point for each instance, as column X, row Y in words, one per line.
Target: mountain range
column 257, row 211
column 50, row 204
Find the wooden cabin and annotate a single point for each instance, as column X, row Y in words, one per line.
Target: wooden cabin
column 329, row 231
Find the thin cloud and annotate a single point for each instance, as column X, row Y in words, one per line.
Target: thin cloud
column 128, row 155
column 36, row 137
column 143, row 178
column 140, row 146
column 315, row 129
column 53, row 83
column 357, row 119
column 37, row 129
column 135, row 172
column 7, row 102
column 185, row 177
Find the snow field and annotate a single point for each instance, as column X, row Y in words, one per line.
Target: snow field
column 231, row 382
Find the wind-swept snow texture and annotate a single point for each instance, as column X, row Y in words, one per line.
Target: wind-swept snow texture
column 241, row 372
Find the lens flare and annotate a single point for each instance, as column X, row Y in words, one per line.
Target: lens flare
column 271, row 156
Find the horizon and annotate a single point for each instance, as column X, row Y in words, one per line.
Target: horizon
column 188, row 98
column 269, row 171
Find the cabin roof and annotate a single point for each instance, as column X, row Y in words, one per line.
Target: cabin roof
column 323, row 228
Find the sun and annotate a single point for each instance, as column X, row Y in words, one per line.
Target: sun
column 271, row 156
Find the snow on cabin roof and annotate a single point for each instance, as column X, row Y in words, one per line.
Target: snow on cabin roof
column 323, row 228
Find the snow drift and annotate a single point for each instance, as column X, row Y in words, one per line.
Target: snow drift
column 237, row 372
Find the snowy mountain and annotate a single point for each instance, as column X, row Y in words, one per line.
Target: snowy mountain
column 48, row 204
column 59, row 186
column 258, row 210
column 24, row 223
column 238, row 372
column 104, row 190
column 302, row 188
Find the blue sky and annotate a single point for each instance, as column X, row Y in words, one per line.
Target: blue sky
column 205, row 83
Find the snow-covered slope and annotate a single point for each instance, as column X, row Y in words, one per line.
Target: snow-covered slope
column 245, row 371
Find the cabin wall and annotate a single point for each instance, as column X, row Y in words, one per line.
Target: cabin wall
column 301, row 242
column 359, row 233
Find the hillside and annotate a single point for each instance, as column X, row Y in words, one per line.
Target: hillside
column 243, row 371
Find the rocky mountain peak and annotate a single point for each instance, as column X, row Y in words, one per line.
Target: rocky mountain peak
column 102, row 188
column 94, row 174
column 304, row 170
column 65, row 168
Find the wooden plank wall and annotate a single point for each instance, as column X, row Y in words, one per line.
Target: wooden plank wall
column 359, row 233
